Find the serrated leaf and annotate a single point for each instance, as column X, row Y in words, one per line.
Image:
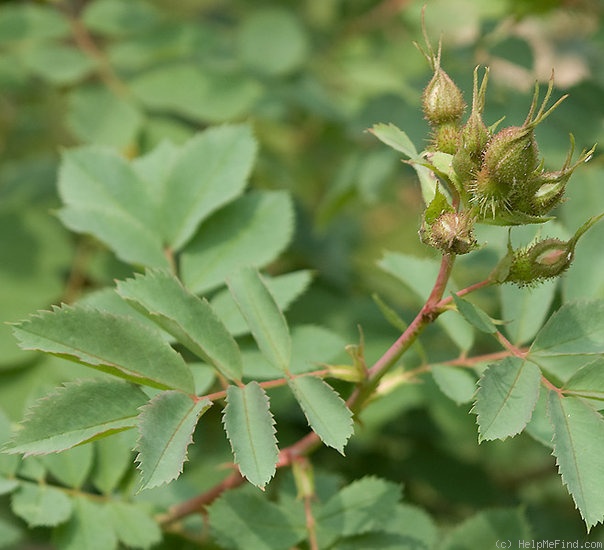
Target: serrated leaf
column 364, row 505
column 110, row 343
column 540, row 427
column 239, row 519
column 489, row 529
column 133, row 526
column 284, row 289
column 249, row 426
column 506, row 397
column 577, row 328
column 325, row 410
column 76, row 413
column 166, row 426
column 267, row 323
column 104, row 197
column 456, row 383
column 250, row 231
column 578, row 448
column 394, row 137
column 474, row 315
column 209, row 171
column 189, row 319
column 41, row 505
column 588, row 381
column 87, row 528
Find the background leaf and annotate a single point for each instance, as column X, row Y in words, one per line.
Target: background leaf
column 77, row 413
column 506, row 397
column 251, row 231
column 456, row 383
column 166, row 426
column 133, row 526
column 267, row 323
column 41, row 505
column 474, row 315
column 249, row 426
column 578, row 448
column 325, row 410
column 188, row 318
column 110, row 343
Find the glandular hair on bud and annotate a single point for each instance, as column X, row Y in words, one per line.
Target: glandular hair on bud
column 445, row 138
column 452, row 233
column 442, row 100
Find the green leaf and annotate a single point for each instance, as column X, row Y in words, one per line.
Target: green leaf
column 240, row 519
column 251, row 231
column 540, row 427
column 577, row 328
column 166, row 426
column 41, row 505
column 76, row 413
column 273, row 41
column 578, row 448
column 284, row 289
column 134, row 527
column 506, row 397
column 189, row 319
column 394, row 137
column 87, row 528
column 587, row 382
column 58, row 64
column 209, row 171
column 98, row 116
column 267, row 323
column 437, row 206
column 325, row 410
column 72, row 466
column 525, row 309
column 489, row 529
column 456, row 383
column 364, row 505
column 110, row 343
column 202, row 95
column 474, row 315
column 31, row 22
column 104, row 197
column 113, row 458
column 10, row 534
column 115, row 18
column 249, row 425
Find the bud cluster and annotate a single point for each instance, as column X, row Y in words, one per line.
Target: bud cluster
column 491, row 175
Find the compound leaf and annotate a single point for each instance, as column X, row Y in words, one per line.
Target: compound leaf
column 111, row 343
column 577, row 328
column 166, row 426
column 325, row 410
column 76, row 413
column 249, row 425
column 191, row 320
column 578, row 448
column 267, row 323
column 506, row 397
column 250, row 231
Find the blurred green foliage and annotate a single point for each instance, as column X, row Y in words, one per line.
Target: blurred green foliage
column 311, row 76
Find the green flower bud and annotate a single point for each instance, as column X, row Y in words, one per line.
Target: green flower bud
column 445, row 138
column 473, row 136
column 442, row 100
column 541, row 260
column 451, row 232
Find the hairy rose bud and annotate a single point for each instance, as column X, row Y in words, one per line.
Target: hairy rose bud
column 452, row 233
column 442, row 100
